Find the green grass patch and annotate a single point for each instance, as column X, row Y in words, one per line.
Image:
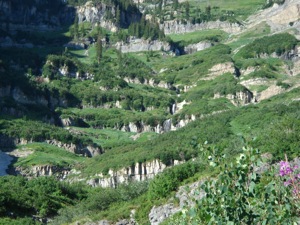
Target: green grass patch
column 109, row 138
column 241, row 8
column 198, row 36
column 188, row 69
column 259, row 30
column 258, row 88
column 45, row 154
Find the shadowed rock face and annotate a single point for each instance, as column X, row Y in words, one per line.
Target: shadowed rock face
column 34, row 14
column 5, row 160
column 44, row 15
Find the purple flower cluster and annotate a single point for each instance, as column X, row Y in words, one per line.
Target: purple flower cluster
column 294, row 178
column 285, row 169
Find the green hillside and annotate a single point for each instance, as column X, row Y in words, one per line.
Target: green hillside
column 147, row 104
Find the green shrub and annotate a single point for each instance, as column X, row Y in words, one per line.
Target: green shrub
column 238, row 196
column 278, row 43
column 163, row 184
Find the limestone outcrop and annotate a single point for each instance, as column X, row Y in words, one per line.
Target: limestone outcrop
column 85, row 150
column 220, row 69
column 97, row 13
column 136, row 172
column 43, row 170
column 278, row 17
column 239, row 98
column 177, row 27
column 192, row 48
column 7, row 142
column 151, row 82
column 139, row 45
column 163, row 127
column 29, row 99
column 271, row 91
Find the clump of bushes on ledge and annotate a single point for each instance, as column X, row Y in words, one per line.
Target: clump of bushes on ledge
column 278, row 43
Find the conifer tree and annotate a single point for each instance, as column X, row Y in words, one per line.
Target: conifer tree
column 76, row 27
column 118, row 17
column 99, row 49
column 175, row 4
column 82, row 30
column 187, row 10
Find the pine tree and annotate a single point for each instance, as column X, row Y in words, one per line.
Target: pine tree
column 118, row 17
column 208, row 11
column 76, row 27
column 99, row 49
column 187, row 10
column 175, row 4
column 82, row 30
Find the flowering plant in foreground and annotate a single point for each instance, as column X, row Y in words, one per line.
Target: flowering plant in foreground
column 243, row 194
column 292, row 176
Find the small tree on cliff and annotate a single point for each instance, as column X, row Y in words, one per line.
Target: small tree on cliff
column 99, row 49
column 76, row 28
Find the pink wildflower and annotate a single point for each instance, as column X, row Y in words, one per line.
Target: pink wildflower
column 285, row 168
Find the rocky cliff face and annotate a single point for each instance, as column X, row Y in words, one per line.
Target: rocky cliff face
column 151, row 82
column 278, row 17
column 186, row 196
column 18, row 95
column 137, row 172
column 44, row 15
column 239, row 98
column 85, row 150
column 7, row 142
column 37, row 99
column 139, row 45
column 43, row 170
column 192, row 48
column 104, row 15
column 176, row 27
column 96, row 13
column 271, row 91
column 163, row 127
column 220, row 69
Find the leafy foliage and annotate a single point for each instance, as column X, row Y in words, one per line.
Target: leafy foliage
column 239, row 195
column 162, row 185
column 38, row 131
column 277, row 43
column 42, row 196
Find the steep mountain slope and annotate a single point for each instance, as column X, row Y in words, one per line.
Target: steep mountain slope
column 114, row 99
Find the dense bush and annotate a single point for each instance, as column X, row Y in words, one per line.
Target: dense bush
column 38, row 131
column 42, row 196
column 277, row 43
column 242, row 195
column 163, row 184
column 56, row 62
column 100, row 199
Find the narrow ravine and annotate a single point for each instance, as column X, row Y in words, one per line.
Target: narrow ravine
column 5, row 160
